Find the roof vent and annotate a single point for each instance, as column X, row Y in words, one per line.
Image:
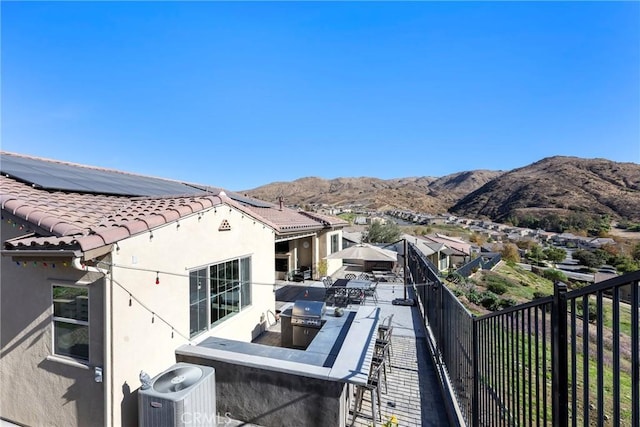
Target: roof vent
column 224, row 225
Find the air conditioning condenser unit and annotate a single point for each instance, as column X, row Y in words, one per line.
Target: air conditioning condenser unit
column 183, row 395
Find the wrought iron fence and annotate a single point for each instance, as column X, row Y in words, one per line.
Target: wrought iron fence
column 568, row 359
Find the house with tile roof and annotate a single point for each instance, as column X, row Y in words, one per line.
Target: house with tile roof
column 437, row 253
column 106, row 273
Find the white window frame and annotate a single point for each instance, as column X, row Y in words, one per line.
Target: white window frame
column 67, row 320
column 331, row 237
column 241, row 305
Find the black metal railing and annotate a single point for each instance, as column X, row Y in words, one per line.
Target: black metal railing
column 568, row 359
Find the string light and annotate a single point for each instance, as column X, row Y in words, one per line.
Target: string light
column 153, row 317
column 157, row 278
column 130, row 301
column 171, row 332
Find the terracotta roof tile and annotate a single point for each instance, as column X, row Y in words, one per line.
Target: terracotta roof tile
column 91, row 220
column 329, row 220
column 91, row 242
column 134, row 227
column 112, row 234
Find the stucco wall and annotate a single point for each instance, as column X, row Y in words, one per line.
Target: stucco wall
column 140, row 344
column 333, row 265
column 275, row 399
column 35, row 388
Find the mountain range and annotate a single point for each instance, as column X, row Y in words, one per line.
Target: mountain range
column 558, row 185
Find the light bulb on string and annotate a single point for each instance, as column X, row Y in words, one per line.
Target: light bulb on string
column 153, row 317
column 157, row 278
column 130, row 301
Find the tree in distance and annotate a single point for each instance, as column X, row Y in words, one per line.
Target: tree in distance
column 382, row 233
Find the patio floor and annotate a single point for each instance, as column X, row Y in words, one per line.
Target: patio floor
column 413, row 393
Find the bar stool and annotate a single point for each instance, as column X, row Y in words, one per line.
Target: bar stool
column 378, row 359
column 385, row 329
column 373, row 388
column 382, row 350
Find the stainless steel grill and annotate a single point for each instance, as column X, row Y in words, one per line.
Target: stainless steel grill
column 308, row 313
column 306, row 321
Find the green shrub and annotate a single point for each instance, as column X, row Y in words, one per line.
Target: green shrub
column 539, row 294
column 474, row 296
column 497, row 288
column 507, row 302
column 554, row 275
column 490, row 301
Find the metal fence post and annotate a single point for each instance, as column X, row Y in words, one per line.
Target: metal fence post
column 559, row 353
column 475, row 401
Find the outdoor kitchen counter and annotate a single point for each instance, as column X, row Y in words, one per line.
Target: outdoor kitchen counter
column 341, row 351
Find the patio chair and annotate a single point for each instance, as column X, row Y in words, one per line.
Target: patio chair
column 364, row 276
column 372, row 292
column 373, row 388
column 301, row 274
column 329, row 293
column 350, row 276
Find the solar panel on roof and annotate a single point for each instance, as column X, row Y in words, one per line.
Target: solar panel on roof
column 249, row 201
column 59, row 176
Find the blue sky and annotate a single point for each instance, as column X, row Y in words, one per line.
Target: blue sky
column 241, row 94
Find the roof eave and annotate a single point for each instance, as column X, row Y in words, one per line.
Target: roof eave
column 35, row 253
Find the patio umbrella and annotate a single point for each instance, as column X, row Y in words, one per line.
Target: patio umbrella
column 365, row 252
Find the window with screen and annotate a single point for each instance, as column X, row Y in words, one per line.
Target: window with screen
column 71, row 321
column 335, row 243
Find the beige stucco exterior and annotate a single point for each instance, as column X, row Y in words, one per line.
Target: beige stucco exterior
column 333, row 265
column 37, row 388
column 139, row 344
column 41, row 389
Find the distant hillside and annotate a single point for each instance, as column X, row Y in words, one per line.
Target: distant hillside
column 421, row 194
column 558, row 185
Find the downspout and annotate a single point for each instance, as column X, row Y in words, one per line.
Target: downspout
column 107, row 319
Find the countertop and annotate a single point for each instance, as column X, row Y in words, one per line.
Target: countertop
column 341, row 351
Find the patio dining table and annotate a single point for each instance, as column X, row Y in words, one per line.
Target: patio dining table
column 353, row 290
